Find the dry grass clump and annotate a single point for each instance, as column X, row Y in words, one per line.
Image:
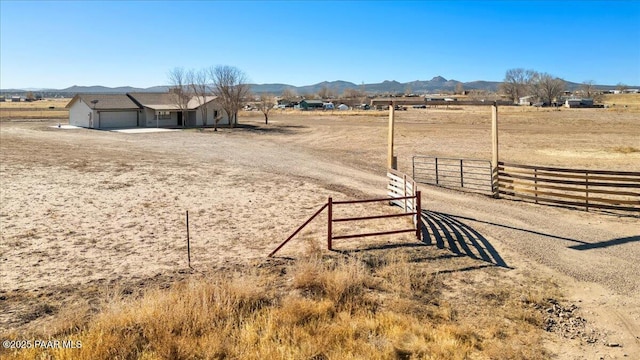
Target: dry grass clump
column 625, row 149
column 375, row 306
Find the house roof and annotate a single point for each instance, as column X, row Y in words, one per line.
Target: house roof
column 130, row 101
column 196, row 101
column 167, row 101
column 105, row 101
column 153, row 99
column 312, row 101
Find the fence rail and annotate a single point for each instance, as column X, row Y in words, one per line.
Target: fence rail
column 598, row 189
column 465, row 174
column 402, row 188
column 402, row 191
column 409, row 210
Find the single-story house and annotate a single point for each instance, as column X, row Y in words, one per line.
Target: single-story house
column 104, row 111
column 578, row 103
column 311, row 104
column 526, row 100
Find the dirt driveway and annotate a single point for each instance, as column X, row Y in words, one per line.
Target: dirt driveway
column 81, row 205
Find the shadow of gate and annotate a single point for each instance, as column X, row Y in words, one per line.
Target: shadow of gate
column 447, row 232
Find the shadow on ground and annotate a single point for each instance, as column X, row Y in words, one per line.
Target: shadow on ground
column 580, row 244
column 447, row 232
column 270, row 129
column 603, row 244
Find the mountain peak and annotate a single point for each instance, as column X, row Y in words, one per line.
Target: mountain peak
column 439, row 79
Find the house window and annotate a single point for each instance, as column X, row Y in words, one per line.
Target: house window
column 163, row 115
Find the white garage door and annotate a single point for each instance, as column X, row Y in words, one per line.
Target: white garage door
column 118, row 119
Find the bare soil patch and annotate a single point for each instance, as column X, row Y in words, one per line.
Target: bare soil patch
column 82, row 210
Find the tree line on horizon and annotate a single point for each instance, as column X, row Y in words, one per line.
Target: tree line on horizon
column 232, row 88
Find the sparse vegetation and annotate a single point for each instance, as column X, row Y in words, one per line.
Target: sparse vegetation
column 625, row 149
column 381, row 303
column 265, row 105
column 379, row 306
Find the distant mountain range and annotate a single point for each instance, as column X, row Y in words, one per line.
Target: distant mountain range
column 436, row 85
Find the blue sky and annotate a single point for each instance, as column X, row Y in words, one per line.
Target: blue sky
column 53, row 44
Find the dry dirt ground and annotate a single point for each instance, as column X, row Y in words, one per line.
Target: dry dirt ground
column 83, row 209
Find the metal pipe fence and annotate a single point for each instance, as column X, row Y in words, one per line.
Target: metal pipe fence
column 463, row 174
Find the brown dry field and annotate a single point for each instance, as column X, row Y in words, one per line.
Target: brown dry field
column 83, row 210
column 34, row 110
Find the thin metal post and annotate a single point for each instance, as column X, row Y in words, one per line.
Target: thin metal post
column 413, row 167
column 329, row 223
column 404, row 190
column 461, row 175
column 436, row 171
column 188, row 242
column 587, row 190
column 535, row 181
column 418, row 215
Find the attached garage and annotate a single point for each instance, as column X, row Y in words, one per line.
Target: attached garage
column 117, row 119
column 103, row 111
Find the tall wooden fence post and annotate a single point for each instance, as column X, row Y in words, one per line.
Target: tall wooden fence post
column 391, row 161
column 188, row 242
column 494, row 150
column 329, row 223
